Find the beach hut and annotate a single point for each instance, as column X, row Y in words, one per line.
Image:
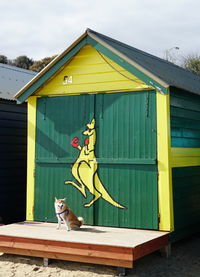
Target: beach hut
column 116, row 131
column 13, row 144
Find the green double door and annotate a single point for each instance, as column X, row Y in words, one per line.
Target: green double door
column 121, row 168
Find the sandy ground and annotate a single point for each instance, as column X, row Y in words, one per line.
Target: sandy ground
column 184, row 262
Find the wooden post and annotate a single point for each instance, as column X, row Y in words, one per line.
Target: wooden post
column 166, row 251
column 46, row 262
column 121, row 271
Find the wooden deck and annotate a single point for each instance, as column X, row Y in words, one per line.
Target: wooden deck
column 98, row 245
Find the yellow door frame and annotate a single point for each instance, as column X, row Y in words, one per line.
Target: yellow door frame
column 32, row 102
column 165, row 194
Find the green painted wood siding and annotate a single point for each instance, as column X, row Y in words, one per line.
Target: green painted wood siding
column 59, row 120
column 186, row 193
column 125, row 151
column 185, row 119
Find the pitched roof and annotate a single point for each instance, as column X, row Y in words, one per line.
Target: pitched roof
column 168, row 72
column 156, row 72
column 12, row 79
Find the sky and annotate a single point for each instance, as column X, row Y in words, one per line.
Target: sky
column 43, row 28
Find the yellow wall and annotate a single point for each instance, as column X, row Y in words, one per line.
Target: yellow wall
column 90, row 71
column 181, row 157
column 31, row 157
column 168, row 158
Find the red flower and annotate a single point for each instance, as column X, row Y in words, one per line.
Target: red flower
column 75, row 142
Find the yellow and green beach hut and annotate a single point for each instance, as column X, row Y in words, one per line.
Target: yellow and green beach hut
column 116, row 131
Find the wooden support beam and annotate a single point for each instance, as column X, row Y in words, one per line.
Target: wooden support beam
column 120, row 247
column 166, row 251
column 46, row 262
column 121, row 271
column 149, row 247
column 97, row 254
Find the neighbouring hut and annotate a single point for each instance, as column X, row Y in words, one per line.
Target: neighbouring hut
column 116, row 131
column 13, row 144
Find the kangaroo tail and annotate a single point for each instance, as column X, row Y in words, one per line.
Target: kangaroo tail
column 111, row 201
column 104, row 194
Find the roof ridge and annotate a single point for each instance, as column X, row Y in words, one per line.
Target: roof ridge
column 18, row 69
column 142, row 52
column 158, row 72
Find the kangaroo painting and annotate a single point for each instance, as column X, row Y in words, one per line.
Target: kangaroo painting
column 85, row 168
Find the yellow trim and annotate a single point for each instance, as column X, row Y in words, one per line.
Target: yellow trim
column 165, row 196
column 181, row 157
column 31, row 157
column 90, row 72
column 50, row 65
column 97, row 92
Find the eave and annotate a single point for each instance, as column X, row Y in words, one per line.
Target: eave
column 90, row 38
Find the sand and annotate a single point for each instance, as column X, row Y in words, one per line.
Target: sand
column 184, row 262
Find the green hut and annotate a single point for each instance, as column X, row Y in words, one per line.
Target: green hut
column 116, row 131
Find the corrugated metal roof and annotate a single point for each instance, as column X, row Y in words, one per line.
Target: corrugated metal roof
column 12, row 79
column 170, row 73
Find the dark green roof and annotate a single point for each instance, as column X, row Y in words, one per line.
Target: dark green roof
column 155, row 72
column 170, row 73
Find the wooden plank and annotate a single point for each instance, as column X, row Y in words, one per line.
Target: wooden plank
column 120, row 237
column 61, row 256
column 13, row 239
column 98, row 254
column 100, row 161
column 183, row 157
column 104, row 253
column 149, row 247
column 120, row 247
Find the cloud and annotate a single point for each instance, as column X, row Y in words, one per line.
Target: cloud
column 44, row 28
